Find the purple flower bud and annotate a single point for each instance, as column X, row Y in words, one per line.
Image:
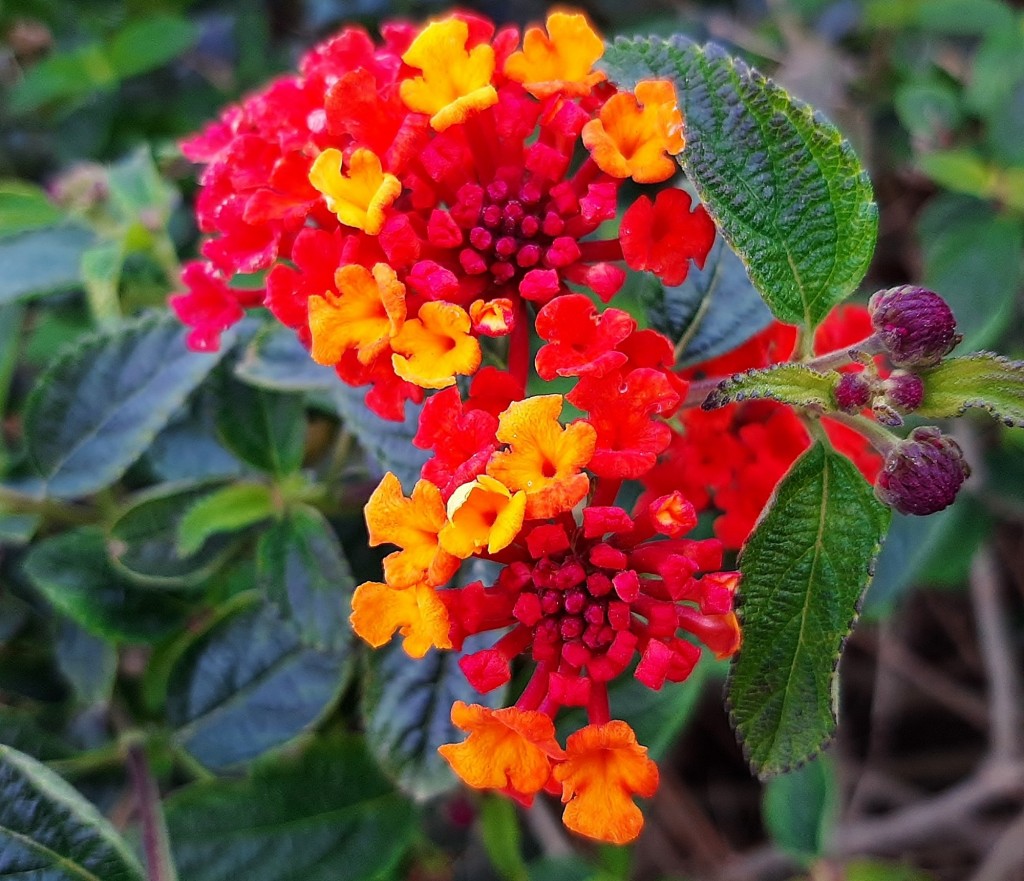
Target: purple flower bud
column 904, row 391
column 853, row 392
column 915, row 325
column 923, row 473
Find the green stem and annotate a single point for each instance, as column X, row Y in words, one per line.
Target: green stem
column 16, row 502
column 166, row 255
column 155, row 844
column 88, row 762
column 879, row 437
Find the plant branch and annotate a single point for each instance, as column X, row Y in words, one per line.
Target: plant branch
column 159, row 865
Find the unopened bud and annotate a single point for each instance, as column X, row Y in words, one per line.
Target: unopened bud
column 915, row 325
column 923, row 473
column 904, row 391
column 853, row 392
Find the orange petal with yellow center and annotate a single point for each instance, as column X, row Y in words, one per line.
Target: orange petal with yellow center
column 359, row 197
column 637, row 133
column 417, row 613
column 561, row 60
column 604, row 768
column 413, row 524
column 544, row 459
column 369, row 309
column 435, row 346
column 456, row 82
column 482, row 514
column 510, row 750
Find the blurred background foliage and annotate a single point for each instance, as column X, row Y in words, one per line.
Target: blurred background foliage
column 168, row 594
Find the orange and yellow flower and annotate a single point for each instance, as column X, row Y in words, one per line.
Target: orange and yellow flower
column 358, row 198
column 416, row 612
column 483, row 514
column 435, row 346
column 561, row 60
column 544, row 459
column 413, row 524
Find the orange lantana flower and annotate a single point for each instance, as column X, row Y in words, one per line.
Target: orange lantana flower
column 482, row 514
column 412, row 524
column 604, row 768
column 635, row 132
column 369, row 310
column 562, row 60
column 544, row 458
column 510, row 750
column 360, row 197
column 456, row 82
column 435, row 346
column 416, row 612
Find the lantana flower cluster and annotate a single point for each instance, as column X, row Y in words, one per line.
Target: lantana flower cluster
column 449, row 195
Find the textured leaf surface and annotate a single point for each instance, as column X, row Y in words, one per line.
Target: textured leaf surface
column 144, row 540
column 48, row 832
column 784, row 188
column 327, row 815
column 789, row 383
column 715, row 310
column 43, row 261
column 72, row 570
column 97, row 408
column 984, row 380
column 188, row 447
column 804, row 569
column 301, row 567
column 265, row 428
column 275, row 359
column 407, row 711
column 248, row 684
column 387, row 443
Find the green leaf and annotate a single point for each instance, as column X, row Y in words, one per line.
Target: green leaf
column 326, row 815
column 572, row 868
column 501, row 838
column 24, row 206
column 942, row 16
column 43, row 261
column 149, row 43
column 91, row 593
column 267, row 429
column 276, row 360
column 101, row 276
column 971, row 257
column 786, row 191
column 715, row 310
column 984, row 380
column 804, row 570
column 407, row 713
column 140, row 192
column 48, row 831
column 25, row 731
column 144, row 539
column 88, row 663
column 790, row 383
column 188, row 448
column 800, row 807
column 98, row 406
column 224, row 510
column 387, row 443
column 66, row 76
column 928, row 109
column 247, row 684
column 303, row 570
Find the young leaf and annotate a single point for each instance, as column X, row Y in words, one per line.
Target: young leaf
column 144, row 539
column 24, row 206
column 91, row 593
column 150, row 42
column 247, row 684
column 804, row 569
column 88, row 663
column 42, row 261
column 501, row 838
column 388, row 443
column 407, row 713
column 716, row 309
column 227, row 509
column 784, row 188
column 325, row 815
column 98, row 406
column 264, row 428
column 984, row 380
column 47, row 830
column 301, row 567
column 790, row 383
